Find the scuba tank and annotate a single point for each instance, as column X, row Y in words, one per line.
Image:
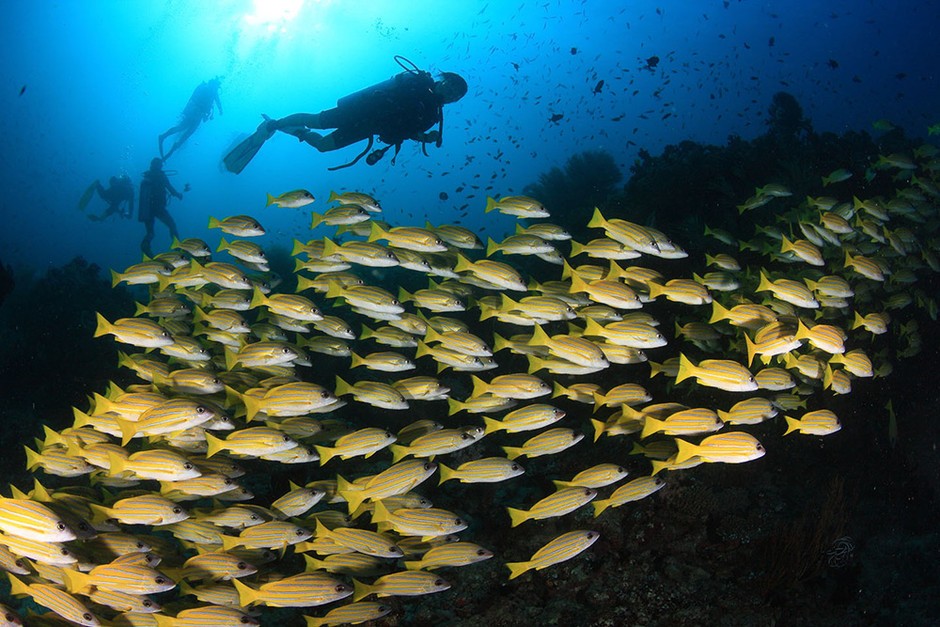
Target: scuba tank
column 148, row 193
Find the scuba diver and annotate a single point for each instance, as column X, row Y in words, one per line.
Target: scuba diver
column 119, row 195
column 154, row 189
column 401, row 108
column 199, row 109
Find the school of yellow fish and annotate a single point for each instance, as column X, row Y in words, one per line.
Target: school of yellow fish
column 155, row 511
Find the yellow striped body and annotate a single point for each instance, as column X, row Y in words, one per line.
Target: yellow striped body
column 639, row 488
column 562, row 548
column 562, row 502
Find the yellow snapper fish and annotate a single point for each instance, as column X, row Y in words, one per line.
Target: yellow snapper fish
column 404, row 583
column 293, row 199
column 365, row 201
column 563, row 548
column 734, row 447
column 352, row 613
column 134, row 331
column 563, row 501
column 594, row 477
column 723, row 374
column 59, row 601
column 486, row 470
column 426, row 522
column 519, row 206
column 639, row 488
column 303, row 590
column 239, row 226
column 819, row 422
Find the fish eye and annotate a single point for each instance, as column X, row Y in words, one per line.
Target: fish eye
column 140, row 545
column 481, row 552
column 87, row 616
column 429, row 466
column 64, row 551
column 341, row 587
column 590, row 534
column 299, row 532
column 394, row 549
column 177, row 510
column 438, row 582
column 514, row 467
column 620, row 469
column 464, row 436
column 159, row 580
column 457, row 521
column 187, row 466
column 325, row 394
column 254, row 517
column 60, row 526
column 244, row 620
column 200, row 409
column 241, row 565
column 147, row 603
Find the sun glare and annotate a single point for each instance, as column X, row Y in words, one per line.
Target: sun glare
column 273, row 15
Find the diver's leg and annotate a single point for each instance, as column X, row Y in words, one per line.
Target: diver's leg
column 148, row 237
column 167, row 219
column 299, row 125
column 288, row 123
column 186, row 134
column 163, row 136
column 340, row 138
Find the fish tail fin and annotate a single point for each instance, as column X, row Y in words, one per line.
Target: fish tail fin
column 719, row 312
column 518, row 568
column 361, row 590
column 214, row 444
column 686, row 368
column 103, row 327
column 597, row 219
column 517, row 516
column 447, row 473
column 687, row 450
column 246, row 594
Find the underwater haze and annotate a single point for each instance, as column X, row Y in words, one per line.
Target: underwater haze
column 88, row 86
column 648, row 338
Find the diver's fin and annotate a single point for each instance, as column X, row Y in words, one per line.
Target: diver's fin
column 86, row 196
column 240, row 156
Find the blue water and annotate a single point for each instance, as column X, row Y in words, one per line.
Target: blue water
column 87, row 86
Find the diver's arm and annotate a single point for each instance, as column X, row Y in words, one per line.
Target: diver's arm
column 434, row 137
column 170, row 188
column 218, row 102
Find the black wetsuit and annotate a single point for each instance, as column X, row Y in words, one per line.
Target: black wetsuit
column 403, row 107
column 154, row 191
column 120, row 198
